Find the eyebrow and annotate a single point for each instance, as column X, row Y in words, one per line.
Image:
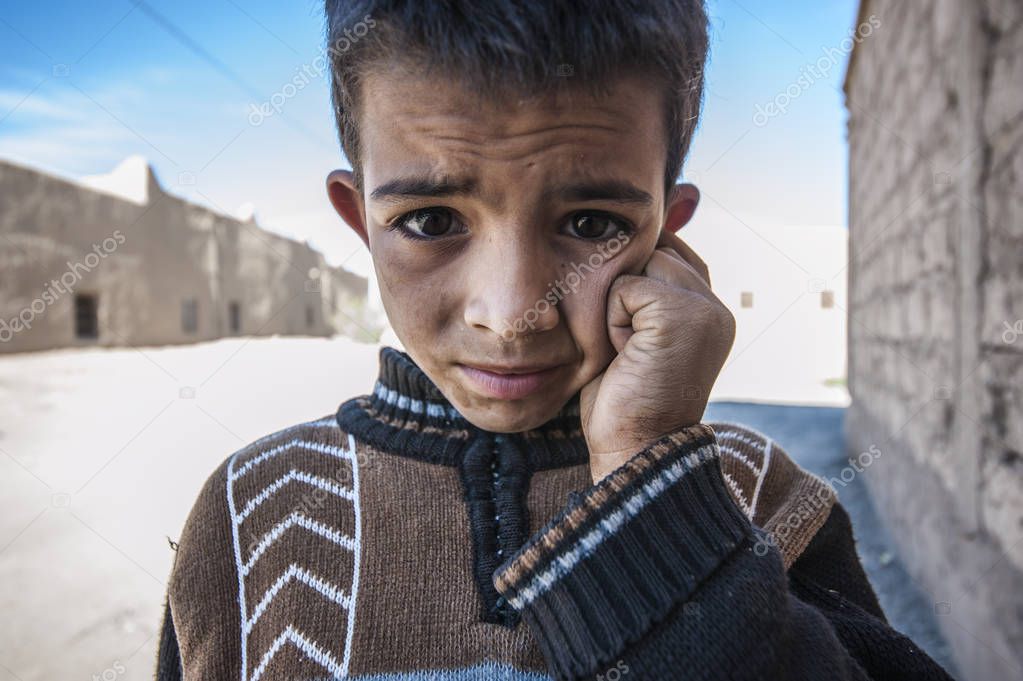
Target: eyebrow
column 425, row 186
column 422, row 186
column 614, row 191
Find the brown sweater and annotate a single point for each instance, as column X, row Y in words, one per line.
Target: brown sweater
column 396, row 540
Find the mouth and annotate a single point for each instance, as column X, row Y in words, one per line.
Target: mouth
column 510, row 382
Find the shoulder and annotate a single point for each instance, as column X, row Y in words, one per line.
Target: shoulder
column 315, row 439
column 320, row 435
column 307, row 452
column 249, row 527
column 787, row 501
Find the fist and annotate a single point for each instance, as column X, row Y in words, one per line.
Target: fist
column 672, row 336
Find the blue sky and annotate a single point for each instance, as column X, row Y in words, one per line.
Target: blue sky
column 83, row 85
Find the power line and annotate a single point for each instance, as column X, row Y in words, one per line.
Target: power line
column 202, row 53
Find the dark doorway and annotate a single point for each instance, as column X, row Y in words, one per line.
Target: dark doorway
column 86, row 316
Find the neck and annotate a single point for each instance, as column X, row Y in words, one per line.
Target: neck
column 406, row 414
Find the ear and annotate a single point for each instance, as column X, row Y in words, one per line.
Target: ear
column 681, row 205
column 347, row 201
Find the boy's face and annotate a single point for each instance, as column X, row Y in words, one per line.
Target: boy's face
column 497, row 227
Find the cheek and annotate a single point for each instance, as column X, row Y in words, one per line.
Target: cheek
column 585, row 302
column 421, row 296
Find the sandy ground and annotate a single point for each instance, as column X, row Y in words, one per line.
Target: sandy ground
column 103, row 451
column 101, row 455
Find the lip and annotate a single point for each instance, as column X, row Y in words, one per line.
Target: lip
column 509, row 382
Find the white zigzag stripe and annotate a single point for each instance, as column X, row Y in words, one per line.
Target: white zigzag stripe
column 311, row 650
column 326, row 589
column 737, row 491
column 330, row 591
column 296, row 518
column 740, row 456
column 293, row 474
column 732, row 435
column 297, row 442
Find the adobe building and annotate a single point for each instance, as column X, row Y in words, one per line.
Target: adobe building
column 115, row 260
column 935, row 101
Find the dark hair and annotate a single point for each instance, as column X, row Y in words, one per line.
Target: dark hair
column 523, row 46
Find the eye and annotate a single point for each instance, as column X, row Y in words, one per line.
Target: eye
column 596, row 226
column 425, row 223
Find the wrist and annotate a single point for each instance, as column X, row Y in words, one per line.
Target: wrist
column 604, row 462
column 621, row 556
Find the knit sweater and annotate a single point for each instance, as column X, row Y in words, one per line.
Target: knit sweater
column 396, row 541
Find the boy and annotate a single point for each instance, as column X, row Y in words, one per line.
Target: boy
column 529, row 492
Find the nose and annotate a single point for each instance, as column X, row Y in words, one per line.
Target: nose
column 512, row 291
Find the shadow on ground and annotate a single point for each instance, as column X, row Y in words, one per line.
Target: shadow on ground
column 813, row 436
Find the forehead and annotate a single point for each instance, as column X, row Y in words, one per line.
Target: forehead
column 410, row 124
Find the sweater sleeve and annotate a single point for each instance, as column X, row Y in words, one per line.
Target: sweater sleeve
column 651, row 574
column 168, row 659
column 203, row 580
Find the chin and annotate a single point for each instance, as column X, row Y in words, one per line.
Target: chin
column 509, row 417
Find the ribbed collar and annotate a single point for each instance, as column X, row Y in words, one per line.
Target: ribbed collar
column 407, row 415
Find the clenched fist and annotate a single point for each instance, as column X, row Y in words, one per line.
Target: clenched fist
column 672, row 336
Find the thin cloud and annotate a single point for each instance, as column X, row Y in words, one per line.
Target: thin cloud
column 55, row 127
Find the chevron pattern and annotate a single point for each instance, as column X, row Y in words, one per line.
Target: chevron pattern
column 778, row 496
column 311, row 650
column 300, row 520
column 280, row 482
column 296, row 494
column 745, row 455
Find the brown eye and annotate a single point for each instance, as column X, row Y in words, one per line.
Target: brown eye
column 425, row 224
column 595, row 226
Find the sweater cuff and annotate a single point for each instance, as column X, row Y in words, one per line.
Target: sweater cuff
column 624, row 553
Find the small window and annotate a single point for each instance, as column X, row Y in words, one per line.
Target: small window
column 310, row 316
column 190, row 315
column 86, row 316
column 827, row 299
column 746, row 299
column 234, row 315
